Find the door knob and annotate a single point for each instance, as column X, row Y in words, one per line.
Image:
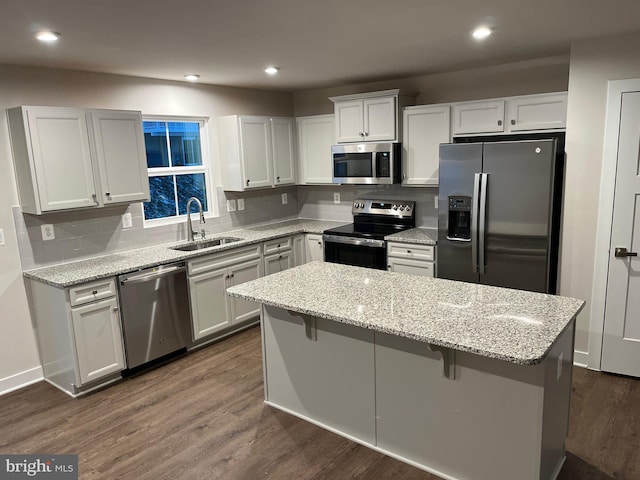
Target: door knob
column 621, row 252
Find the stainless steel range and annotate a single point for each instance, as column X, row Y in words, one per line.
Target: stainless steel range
column 362, row 243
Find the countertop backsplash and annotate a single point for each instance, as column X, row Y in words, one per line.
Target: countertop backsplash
column 82, row 234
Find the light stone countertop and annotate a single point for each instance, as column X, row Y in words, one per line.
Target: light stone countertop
column 82, row 271
column 422, row 236
column 511, row 325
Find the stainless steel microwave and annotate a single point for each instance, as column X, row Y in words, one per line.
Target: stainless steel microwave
column 366, row 163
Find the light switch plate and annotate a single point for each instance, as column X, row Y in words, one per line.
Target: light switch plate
column 285, row 200
column 231, row 205
column 241, row 204
column 127, row 222
column 336, row 197
column 1, row 236
column 47, row 232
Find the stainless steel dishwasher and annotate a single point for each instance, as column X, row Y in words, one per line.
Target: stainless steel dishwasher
column 156, row 319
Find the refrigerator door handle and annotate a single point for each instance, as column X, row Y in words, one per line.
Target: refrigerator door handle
column 482, row 221
column 474, row 222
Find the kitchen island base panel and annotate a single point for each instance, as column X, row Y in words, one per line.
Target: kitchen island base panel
column 494, row 421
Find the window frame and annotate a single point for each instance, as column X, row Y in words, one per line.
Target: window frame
column 206, row 168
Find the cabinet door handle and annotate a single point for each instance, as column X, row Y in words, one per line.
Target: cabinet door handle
column 108, row 194
column 248, row 181
column 95, row 292
column 278, row 179
column 233, row 275
column 280, row 257
column 319, row 243
column 115, row 309
column 499, row 122
column 513, row 122
column 361, row 134
column 366, row 134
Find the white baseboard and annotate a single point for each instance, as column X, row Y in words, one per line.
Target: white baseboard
column 20, row 380
column 580, row 359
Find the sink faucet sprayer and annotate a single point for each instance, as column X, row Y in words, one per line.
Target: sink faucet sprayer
column 190, row 231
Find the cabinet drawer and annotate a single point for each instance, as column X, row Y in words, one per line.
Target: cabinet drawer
column 412, row 267
column 89, row 292
column 222, row 259
column 277, row 245
column 411, row 250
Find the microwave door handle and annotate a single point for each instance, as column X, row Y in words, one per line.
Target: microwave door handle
column 475, row 209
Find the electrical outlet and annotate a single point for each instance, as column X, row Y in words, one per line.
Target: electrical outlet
column 1, row 236
column 435, row 202
column 285, row 200
column 336, row 197
column 47, row 232
column 241, row 204
column 127, row 222
column 231, row 205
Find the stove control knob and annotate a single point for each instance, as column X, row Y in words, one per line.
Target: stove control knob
column 395, row 207
column 407, row 208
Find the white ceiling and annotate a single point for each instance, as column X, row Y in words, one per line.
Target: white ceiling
column 316, row 43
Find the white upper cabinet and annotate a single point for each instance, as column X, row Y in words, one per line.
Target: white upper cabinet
column 119, row 146
column 537, row 112
column 316, row 134
column 425, row 128
column 511, row 115
column 68, row 158
column 370, row 117
column 284, row 157
column 256, row 152
column 478, row 117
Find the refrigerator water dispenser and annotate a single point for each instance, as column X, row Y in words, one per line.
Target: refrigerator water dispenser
column 459, row 227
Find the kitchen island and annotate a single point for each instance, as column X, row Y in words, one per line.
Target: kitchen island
column 462, row 380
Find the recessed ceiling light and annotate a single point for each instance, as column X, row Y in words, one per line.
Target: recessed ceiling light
column 192, row 77
column 271, row 70
column 48, row 37
column 481, row 33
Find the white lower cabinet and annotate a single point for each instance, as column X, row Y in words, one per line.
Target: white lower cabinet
column 278, row 255
column 98, row 339
column 79, row 334
column 209, row 277
column 410, row 258
column 314, row 250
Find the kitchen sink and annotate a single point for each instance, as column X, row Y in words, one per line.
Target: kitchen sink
column 214, row 242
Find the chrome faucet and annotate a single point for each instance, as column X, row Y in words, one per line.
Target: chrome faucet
column 190, row 231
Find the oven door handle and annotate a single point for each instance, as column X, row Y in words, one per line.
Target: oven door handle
column 361, row 242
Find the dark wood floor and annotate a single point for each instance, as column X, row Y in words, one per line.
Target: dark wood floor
column 203, row 417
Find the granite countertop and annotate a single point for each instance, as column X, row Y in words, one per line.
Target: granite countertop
column 511, row 325
column 422, row 236
column 73, row 273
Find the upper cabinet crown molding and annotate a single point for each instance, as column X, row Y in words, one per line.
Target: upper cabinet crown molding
column 256, row 151
column 370, row 117
column 68, row 158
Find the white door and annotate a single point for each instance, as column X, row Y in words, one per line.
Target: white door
column 98, row 339
column 255, row 142
column 424, row 129
column 315, row 248
column 379, row 119
column 537, row 112
column 62, row 158
column 315, row 136
column 621, row 342
column 478, row 117
column 209, row 302
column 349, row 119
column 284, row 157
column 121, row 157
column 239, row 309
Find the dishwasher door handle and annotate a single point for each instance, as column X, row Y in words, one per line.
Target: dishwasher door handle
column 150, row 276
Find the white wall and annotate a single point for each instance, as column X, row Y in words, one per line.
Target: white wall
column 518, row 78
column 593, row 64
column 19, row 360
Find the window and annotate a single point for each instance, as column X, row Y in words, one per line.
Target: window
column 178, row 169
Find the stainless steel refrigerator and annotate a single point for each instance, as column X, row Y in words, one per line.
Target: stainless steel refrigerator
column 498, row 221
